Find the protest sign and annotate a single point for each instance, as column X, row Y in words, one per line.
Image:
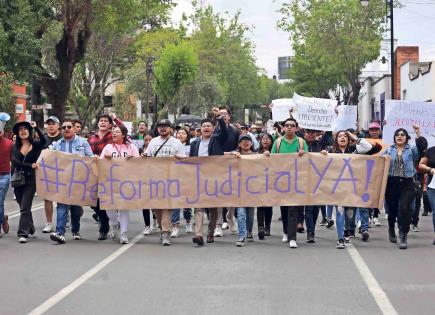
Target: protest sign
column 215, row 181
column 314, row 113
column 405, row 114
column 281, row 109
column 346, row 118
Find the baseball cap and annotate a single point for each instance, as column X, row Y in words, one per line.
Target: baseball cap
column 374, row 125
column 245, row 137
column 53, row 119
column 164, row 122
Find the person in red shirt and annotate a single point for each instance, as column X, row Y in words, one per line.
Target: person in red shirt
column 6, row 147
column 98, row 141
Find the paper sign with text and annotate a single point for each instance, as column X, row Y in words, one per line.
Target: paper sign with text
column 281, row 109
column 346, row 118
column 315, row 113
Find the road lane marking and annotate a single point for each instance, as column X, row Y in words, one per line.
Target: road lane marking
column 375, row 289
column 60, row 295
column 16, row 213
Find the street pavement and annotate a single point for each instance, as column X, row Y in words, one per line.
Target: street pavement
column 264, row 277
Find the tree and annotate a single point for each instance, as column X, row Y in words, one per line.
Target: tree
column 332, row 40
column 7, row 103
column 176, row 68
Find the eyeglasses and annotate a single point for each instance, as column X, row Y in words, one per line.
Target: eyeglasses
column 67, row 127
column 400, row 134
column 290, row 125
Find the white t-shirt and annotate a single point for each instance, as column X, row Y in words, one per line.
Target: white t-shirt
column 172, row 147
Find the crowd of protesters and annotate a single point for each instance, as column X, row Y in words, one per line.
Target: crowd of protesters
column 409, row 177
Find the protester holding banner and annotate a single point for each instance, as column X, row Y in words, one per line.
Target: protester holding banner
column 290, row 143
column 98, row 141
column 401, row 189
column 120, row 148
column 26, row 153
column 162, row 146
column 264, row 214
column 347, row 142
column 427, row 164
column 211, row 143
column 72, row 144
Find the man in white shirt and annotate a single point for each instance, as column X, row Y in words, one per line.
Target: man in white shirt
column 162, row 146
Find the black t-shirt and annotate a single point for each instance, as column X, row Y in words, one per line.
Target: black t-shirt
column 430, row 155
column 49, row 140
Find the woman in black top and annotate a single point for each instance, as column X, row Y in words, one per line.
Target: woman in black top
column 26, row 153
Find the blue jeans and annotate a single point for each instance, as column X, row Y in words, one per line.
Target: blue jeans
column 329, row 210
column 350, row 218
column 431, row 196
column 311, row 214
column 4, row 186
column 175, row 216
column 245, row 220
column 339, row 220
column 62, row 214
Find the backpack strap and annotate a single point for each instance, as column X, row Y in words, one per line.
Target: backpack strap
column 278, row 144
column 301, row 144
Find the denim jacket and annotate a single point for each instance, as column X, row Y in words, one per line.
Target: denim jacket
column 79, row 146
column 410, row 156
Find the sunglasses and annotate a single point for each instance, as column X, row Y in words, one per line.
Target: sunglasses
column 400, row 134
column 290, row 125
column 67, row 127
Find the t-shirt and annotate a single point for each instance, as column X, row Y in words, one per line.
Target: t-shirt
column 203, row 147
column 6, row 147
column 289, row 146
column 170, row 148
column 50, row 140
column 120, row 150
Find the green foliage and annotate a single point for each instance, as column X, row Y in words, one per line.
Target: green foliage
column 7, row 103
column 176, row 68
column 332, row 40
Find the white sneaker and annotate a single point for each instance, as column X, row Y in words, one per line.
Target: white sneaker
column 22, row 240
column 293, row 244
column 376, row 222
column 48, row 228
column 225, row 226
column 218, row 232
column 284, row 238
column 147, row 231
column 189, row 228
column 114, row 233
column 175, row 232
column 123, row 238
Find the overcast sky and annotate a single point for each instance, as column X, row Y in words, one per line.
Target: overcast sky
column 414, row 25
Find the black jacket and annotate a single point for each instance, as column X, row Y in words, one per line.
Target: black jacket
column 216, row 145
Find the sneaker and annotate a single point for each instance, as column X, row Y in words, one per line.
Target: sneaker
column 56, row 237
column 241, row 242
column 365, row 236
column 330, row 223
column 340, row 244
column 284, row 238
column 415, row 228
column 198, row 240
column 376, row 222
column 218, row 232
column 77, row 236
column 102, row 236
column 210, row 239
column 123, row 239
column 261, row 233
column 301, row 228
column 324, row 222
column 48, row 228
column 267, row 231
column 352, row 234
column 346, row 236
column 310, row 238
column 249, row 237
column 5, row 224
column 425, row 213
column 166, row 241
column 175, row 232
column 22, row 240
column 233, row 229
column 114, row 233
column 293, row 244
column 225, row 226
column 147, row 231
column 189, row 228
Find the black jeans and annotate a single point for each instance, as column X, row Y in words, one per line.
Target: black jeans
column 264, row 216
column 146, row 216
column 399, row 197
column 104, row 219
column 25, row 196
column 290, row 215
column 416, row 213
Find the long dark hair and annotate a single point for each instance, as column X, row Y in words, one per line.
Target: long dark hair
column 124, row 132
column 336, row 147
column 262, row 149
column 188, row 135
column 405, row 132
column 19, row 143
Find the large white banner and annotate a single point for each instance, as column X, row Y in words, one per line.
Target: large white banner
column 315, row 113
column 405, row 114
column 346, row 118
column 281, row 108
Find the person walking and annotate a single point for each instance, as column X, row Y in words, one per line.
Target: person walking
column 6, row 149
column 26, row 153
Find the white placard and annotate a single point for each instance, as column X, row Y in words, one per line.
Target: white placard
column 129, row 126
column 280, row 108
column 346, row 118
column 315, row 113
column 405, row 114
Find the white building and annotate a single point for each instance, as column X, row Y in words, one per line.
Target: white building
column 417, row 81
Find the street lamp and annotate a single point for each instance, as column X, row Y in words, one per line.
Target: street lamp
column 390, row 5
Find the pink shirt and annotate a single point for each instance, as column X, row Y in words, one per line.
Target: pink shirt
column 120, row 150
